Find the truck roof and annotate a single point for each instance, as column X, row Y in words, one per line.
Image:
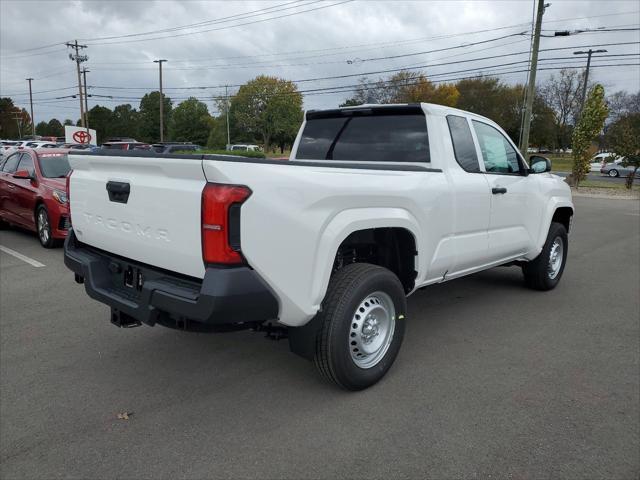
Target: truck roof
column 431, row 108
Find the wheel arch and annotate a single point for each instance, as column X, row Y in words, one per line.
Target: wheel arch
column 346, row 225
column 558, row 209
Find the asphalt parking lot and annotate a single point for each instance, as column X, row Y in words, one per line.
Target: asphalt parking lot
column 493, row 380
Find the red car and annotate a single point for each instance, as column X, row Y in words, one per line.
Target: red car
column 33, row 193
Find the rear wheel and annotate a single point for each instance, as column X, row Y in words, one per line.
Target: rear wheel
column 43, row 227
column 613, row 173
column 545, row 271
column 362, row 326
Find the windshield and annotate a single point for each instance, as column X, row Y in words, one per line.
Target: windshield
column 54, row 165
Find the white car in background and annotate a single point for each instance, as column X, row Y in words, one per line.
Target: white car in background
column 600, row 160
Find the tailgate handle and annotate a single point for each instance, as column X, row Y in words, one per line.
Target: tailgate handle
column 118, row 191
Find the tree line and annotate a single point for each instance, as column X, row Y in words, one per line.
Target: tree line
column 268, row 110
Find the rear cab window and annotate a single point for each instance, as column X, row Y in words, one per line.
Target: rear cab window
column 366, row 135
column 463, row 147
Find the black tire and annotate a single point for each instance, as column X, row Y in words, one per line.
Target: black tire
column 47, row 241
column 349, row 287
column 614, row 173
column 537, row 274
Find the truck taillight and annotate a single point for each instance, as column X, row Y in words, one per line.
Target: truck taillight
column 221, row 222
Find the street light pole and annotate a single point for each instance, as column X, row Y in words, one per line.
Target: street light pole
column 586, row 74
column 531, row 86
column 33, row 123
column 160, row 62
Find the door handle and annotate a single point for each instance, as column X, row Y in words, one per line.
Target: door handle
column 498, row 190
column 118, row 191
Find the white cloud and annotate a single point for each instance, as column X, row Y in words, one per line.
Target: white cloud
column 29, row 24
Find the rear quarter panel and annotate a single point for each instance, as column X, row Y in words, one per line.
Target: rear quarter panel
column 297, row 216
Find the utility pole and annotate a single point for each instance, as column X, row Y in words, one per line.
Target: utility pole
column 160, row 62
column 86, row 96
column 33, row 123
column 586, row 74
column 226, row 96
column 531, row 85
column 78, row 59
column 18, row 118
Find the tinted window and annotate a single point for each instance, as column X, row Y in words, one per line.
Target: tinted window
column 463, row 146
column 26, row 163
column 54, row 165
column 11, row 163
column 373, row 138
column 498, row 154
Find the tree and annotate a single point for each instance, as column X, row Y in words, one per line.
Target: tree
column 14, row 122
column 101, row 120
column 404, row 87
column 621, row 103
column 191, row 122
column 489, row 97
column 55, row 128
column 42, row 128
column 624, row 138
column 125, row 121
column 68, row 122
column 587, row 129
column 267, row 106
column 563, row 94
column 218, row 133
column 149, row 116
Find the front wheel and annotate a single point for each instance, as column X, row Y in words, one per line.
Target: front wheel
column 545, row 271
column 362, row 326
column 613, row 173
column 43, row 226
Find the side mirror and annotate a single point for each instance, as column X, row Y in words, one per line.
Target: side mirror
column 539, row 164
column 23, row 174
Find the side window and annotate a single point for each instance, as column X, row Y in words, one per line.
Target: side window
column 26, row 163
column 498, row 154
column 463, row 146
column 11, row 163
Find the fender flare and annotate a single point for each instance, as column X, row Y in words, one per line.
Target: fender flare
column 553, row 205
column 343, row 224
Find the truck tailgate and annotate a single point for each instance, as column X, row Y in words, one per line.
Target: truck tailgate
column 157, row 223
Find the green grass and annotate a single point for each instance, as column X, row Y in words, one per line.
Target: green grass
column 610, row 185
column 561, row 163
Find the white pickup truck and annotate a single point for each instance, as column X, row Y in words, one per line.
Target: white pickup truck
column 374, row 203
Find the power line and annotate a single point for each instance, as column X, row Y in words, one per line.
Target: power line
column 224, row 27
column 205, row 22
column 377, row 72
column 481, row 71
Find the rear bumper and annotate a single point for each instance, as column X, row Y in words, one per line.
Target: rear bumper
column 224, row 297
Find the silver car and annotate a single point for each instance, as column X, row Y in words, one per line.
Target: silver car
column 616, row 169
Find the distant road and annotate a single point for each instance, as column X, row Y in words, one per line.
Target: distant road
column 596, row 176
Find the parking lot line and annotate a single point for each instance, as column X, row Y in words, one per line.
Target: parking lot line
column 24, row 258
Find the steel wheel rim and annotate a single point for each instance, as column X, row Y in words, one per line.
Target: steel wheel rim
column 43, row 226
column 371, row 331
column 556, row 255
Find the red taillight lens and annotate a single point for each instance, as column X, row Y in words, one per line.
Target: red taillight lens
column 217, row 226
